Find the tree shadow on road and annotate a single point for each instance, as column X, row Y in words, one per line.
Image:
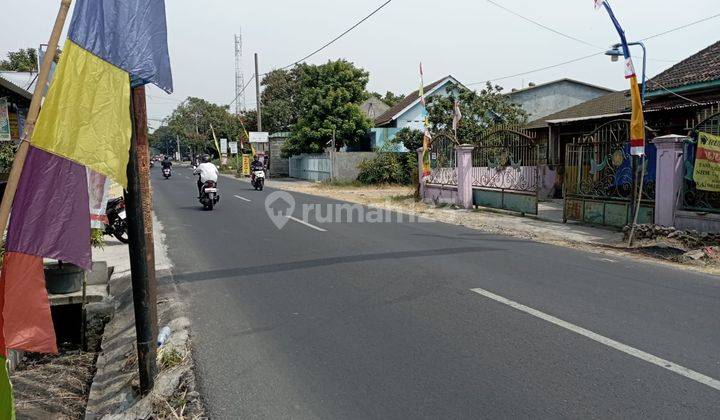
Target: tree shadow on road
column 323, row 262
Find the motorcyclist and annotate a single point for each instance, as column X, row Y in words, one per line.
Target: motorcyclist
column 166, row 163
column 255, row 165
column 207, row 171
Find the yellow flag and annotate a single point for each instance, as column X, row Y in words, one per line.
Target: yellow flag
column 86, row 114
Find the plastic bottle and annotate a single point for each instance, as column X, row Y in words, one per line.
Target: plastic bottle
column 163, row 335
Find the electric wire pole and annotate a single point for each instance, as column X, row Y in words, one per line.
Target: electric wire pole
column 257, row 94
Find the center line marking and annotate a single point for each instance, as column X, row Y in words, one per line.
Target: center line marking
column 665, row 364
column 302, row 222
column 243, row 198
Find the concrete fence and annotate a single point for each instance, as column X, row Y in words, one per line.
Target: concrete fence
column 338, row 166
column 670, row 173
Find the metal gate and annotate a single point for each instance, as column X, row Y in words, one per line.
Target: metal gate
column 443, row 160
column 693, row 199
column 505, row 170
column 601, row 177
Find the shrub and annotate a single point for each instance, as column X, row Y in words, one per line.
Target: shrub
column 388, row 168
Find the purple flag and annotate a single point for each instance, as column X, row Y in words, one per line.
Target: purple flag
column 51, row 216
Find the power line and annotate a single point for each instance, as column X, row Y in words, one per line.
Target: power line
column 597, row 53
column 536, row 23
column 358, row 23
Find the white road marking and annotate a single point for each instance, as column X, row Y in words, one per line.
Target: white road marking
column 665, row 364
column 302, row 222
column 187, row 177
column 243, row 198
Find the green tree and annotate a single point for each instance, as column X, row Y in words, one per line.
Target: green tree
column 192, row 119
column 411, row 138
column 329, row 100
column 280, row 98
column 163, row 139
column 480, row 111
column 390, row 99
column 20, row 60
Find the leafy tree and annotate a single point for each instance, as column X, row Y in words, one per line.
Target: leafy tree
column 411, row 138
column 280, row 98
column 20, row 60
column 480, row 111
column 163, row 139
column 390, row 98
column 329, row 100
column 191, row 121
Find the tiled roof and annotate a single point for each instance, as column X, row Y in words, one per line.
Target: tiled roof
column 410, row 99
column 612, row 103
column 698, row 68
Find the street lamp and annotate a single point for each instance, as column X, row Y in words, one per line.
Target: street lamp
column 617, row 51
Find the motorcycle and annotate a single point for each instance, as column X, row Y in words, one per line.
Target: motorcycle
column 166, row 173
column 117, row 220
column 210, row 196
column 258, row 179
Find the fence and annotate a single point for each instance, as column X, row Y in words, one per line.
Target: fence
column 310, row 167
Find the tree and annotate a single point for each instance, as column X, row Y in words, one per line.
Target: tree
column 390, row 99
column 191, row 121
column 163, row 139
column 280, row 99
column 329, row 101
column 411, row 138
column 480, row 111
column 20, row 60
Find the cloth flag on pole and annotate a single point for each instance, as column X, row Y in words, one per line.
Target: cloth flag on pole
column 457, row 116
column 427, row 138
column 637, row 119
column 82, row 138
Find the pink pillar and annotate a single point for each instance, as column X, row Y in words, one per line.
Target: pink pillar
column 668, row 177
column 464, row 175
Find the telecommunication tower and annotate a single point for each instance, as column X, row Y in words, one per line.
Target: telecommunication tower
column 239, row 77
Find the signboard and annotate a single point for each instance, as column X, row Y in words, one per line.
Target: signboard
column 223, row 146
column 259, row 137
column 4, row 120
column 246, row 164
column 707, row 163
column 233, row 147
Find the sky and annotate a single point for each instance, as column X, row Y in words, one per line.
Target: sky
column 472, row 40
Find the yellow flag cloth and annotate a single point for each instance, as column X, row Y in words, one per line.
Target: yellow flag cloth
column 86, row 114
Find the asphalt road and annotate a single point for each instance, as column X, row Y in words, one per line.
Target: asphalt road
column 429, row 320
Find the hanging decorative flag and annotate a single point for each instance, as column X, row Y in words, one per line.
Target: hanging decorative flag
column 457, row 116
column 637, row 120
column 82, row 137
column 427, row 138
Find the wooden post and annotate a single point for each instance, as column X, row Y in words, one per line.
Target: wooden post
column 33, row 112
column 141, row 245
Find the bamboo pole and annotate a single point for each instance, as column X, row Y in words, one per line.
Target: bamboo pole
column 33, row 112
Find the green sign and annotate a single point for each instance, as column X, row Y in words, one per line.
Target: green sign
column 4, row 120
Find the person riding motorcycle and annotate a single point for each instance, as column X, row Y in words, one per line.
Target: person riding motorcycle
column 207, row 171
column 166, row 163
column 255, row 165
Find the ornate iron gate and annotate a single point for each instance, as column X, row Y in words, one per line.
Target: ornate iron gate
column 693, row 199
column 505, row 170
column 600, row 177
column 443, row 160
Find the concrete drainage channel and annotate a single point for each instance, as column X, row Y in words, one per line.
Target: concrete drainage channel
column 102, row 380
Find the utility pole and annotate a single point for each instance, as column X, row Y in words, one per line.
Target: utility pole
column 141, row 245
column 257, row 94
column 178, row 152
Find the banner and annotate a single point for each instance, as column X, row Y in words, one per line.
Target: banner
column 233, row 147
column 4, row 120
column 223, row 146
column 246, row 164
column 707, row 163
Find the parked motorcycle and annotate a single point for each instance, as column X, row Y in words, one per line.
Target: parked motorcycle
column 117, row 220
column 258, row 179
column 210, row 196
column 167, row 173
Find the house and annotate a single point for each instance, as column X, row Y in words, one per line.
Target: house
column 548, row 98
column 16, row 96
column 408, row 112
column 585, row 146
column 373, row 107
